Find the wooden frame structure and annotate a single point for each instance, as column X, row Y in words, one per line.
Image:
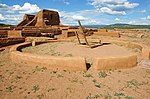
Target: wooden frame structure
column 83, row 32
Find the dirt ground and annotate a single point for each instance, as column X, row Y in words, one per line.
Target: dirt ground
column 37, row 82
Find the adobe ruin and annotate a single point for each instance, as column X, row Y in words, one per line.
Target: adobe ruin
column 46, row 23
column 42, row 19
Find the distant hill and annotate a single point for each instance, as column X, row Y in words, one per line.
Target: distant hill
column 3, row 25
column 94, row 26
column 126, row 26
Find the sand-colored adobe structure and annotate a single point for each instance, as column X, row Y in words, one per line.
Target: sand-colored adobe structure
column 104, row 59
column 42, row 19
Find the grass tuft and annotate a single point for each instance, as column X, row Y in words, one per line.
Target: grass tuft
column 35, row 88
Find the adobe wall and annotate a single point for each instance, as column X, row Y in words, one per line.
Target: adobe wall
column 146, row 53
column 33, row 33
column 145, row 50
column 26, row 19
column 10, row 41
column 51, row 17
column 14, row 34
column 129, row 45
column 102, row 30
column 60, row 63
column 41, row 19
column 112, row 34
column 68, row 33
column 78, row 63
column 119, row 62
column 3, row 33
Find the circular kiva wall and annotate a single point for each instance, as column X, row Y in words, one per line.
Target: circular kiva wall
column 75, row 63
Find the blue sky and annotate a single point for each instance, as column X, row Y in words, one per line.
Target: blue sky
column 90, row 12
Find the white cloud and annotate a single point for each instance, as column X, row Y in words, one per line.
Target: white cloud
column 2, row 17
column 143, row 11
column 117, row 19
column 67, row 3
column 13, row 14
column 116, row 7
column 70, row 18
column 132, row 22
column 26, row 8
column 110, row 11
column 14, row 17
column 140, row 21
column 3, row 6
column 64, row 1
column 148, row 17
column 79, row 17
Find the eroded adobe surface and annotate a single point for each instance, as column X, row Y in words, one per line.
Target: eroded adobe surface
column 43, row 18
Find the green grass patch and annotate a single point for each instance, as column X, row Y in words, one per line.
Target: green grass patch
column 102, row 74
column 39, row 69
column 87, row 75
column 119, row 95
column 35, row 88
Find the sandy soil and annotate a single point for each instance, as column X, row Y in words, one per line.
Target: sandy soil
column 19, row 82
column 37, row 82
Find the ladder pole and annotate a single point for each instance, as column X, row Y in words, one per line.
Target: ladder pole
column 84, row 35
column 78, row 37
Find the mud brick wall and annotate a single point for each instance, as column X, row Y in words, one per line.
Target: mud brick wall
column 32, row 33
column 121, row 62
column 10, row 41
column 51, row 62
column 145, row 50
column 3, row 33
column 102, row 30
column 14, row 34
column 42, row 19
column 146, row 53
column 68, row 33
column 112, row 34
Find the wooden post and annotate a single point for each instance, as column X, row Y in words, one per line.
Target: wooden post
column 33, row 43
column 83, row 32
column 78, row 37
